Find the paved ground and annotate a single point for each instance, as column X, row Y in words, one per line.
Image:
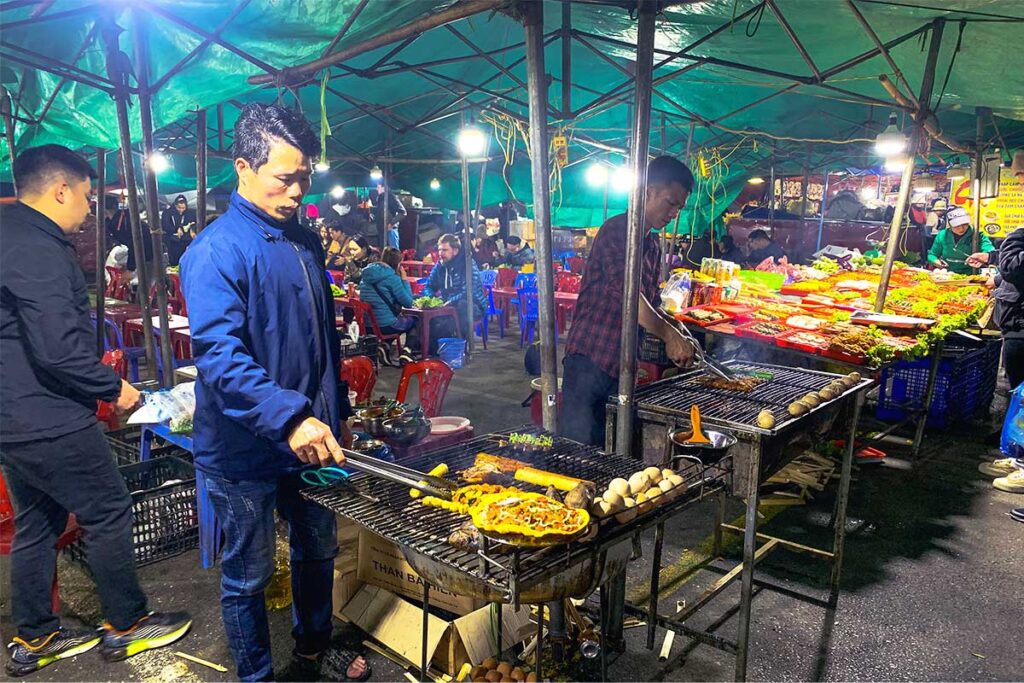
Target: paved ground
column 932, row 565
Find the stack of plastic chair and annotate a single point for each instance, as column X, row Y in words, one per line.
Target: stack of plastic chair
column 529, row 315
column 434, row 376
column 105, row 411
column 114, row 340
column 117, row 288
column 524, row 281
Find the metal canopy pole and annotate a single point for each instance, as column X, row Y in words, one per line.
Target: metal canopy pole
column 101, row 249
column 566, row 60
column 537, row 81
column 467, row 246
column 200, row 170
column 152, row 202
column 824, row 205
column 120, row 78
column 637, row 225
column 7, row 109
column 979, row 163
column 916, row 138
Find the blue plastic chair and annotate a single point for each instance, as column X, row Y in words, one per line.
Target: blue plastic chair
column 488, row 278
column 113, row 339
column 330, row 278
column 529, row 315
column 524, row 281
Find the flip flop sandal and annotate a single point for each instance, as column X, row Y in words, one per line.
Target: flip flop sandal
column 1017, row 514
column 336, row 661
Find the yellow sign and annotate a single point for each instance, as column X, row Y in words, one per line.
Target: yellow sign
column 999, row 216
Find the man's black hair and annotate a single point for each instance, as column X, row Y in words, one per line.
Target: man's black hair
column 728, row 243
column 512, row 239
column 666, row 170
column 180, row 198
column 758, row 235
column 258, row 123
column 37, row 167
column 111, row 203
column 335, row 225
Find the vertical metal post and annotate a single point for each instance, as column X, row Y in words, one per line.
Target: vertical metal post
column 200, row 170
column 824, row 205
column 120, row 78
column 7, row 110
column 425, row 627
column 747, row 574
column 533, row 26
column 652, row 605
column 843, row 498
column 152, row 201
column 929, row 394
column 771, row 199
column 566, row 60
column 604, row 213
column 805, row 171
column 101, row 249
column 480, row 186
column 916, row 138
column 467, row 246
column 979, row 166
column 637, row 225
column 220, row 127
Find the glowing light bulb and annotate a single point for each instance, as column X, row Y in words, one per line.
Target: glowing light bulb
column 597, row 175
column 435, row 184
column 472, row 141
column 158, row 163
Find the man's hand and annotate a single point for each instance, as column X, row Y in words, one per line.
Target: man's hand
column 679, row 350
column 978, row 260
column 313, row 443
column 990, row 282
column 939, row 263
column 128, row 399
column 401, row 271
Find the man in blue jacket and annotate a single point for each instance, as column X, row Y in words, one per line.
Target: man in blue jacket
column 268, row 399
column 447, row 281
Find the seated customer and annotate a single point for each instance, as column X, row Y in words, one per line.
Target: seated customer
column 448, row 282
column 337, row 248
column 518, row 252
column 384, row 289
column 762, row 247
column 728, row 251
column 359, row 256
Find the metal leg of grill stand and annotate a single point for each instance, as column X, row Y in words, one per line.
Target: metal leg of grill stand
column 424, row 676
column 538, row 651
column 929, row 393
column 652, row 607
column 719, row 521
column 616, row 620
column 603, row 601
column 747, row 577
column 843, row 499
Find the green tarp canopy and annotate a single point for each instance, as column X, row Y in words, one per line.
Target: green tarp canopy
column 752, row 98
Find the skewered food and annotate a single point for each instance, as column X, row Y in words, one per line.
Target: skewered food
column 852, row 341
column 739, row 384
column 704, row 315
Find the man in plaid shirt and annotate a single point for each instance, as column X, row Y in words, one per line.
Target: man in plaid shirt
column 592, row 352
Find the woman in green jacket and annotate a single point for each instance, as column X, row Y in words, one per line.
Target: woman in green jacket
column 953, row 245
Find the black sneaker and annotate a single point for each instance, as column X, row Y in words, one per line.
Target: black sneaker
column 385, row 355
column 154, row 630
column 1017, row 514
column 27, row 656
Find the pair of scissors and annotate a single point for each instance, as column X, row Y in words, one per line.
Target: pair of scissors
column 324, row 476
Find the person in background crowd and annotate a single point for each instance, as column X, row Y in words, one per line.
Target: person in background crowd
column 119, row 231
column 360, row 254
column 384, row 287
column 517, row 252
column 447, row 281
column 269, row 403
column 56, row 459
column 485, row 249
column 953, row 245
column 728, row 251
column 337, row 249
column 692, row 253
column 935, row 221
column 325, row 236
column 396, row 212
column 1009, row 316
column 595, row 338
column 179, row 226
column 761, row 247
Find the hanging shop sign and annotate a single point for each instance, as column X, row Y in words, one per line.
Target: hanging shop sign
column 1000, row 215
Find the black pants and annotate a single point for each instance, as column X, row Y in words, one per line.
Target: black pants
column 47, row 479
column 585, row 392
column 1013, row 360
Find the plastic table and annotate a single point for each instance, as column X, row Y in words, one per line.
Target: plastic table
column 424, row 316
column 417, row 268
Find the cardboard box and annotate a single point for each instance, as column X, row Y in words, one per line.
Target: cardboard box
column 382, row 564
column 346, row 565
column 398, row 625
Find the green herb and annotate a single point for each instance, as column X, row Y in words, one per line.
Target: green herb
column 428, row 302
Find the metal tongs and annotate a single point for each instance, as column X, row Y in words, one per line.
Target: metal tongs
column 702, row 360
column 424, row 483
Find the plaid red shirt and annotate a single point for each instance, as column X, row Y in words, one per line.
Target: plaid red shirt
column 597, row 320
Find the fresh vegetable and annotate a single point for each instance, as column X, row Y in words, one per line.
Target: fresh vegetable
column 337, row 291
column 427, row 302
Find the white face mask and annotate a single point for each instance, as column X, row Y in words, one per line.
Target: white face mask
column 342, row 209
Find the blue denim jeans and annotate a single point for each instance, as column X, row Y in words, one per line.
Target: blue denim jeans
column 245, row 510
column 585, row 392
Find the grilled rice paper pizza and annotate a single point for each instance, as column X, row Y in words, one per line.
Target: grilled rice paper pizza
column 522, row 518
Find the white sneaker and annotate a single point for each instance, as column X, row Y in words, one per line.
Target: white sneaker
column 1012, row 483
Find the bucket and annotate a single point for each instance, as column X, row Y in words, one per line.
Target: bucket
column 452, row 351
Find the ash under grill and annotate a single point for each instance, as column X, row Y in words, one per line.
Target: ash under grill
column 503, row 569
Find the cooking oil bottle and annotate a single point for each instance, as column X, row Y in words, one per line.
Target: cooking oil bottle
column 278, row 594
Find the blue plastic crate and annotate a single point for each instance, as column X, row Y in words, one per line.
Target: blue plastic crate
column 964, row 385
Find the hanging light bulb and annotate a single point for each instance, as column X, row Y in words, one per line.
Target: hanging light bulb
column 756, row 180
column 622, row 179
column 435, row 184
column 472, row 141
column 890, row 141
column 597, row 175
column 322, row 166
column 157, row 162
column 337, row 191
column 895, row 164
column 376, row 173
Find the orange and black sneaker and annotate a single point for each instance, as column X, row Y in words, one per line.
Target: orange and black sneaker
column 154, row 630
column 27, row 656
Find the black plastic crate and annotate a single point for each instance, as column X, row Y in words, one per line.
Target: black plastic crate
column 652, row 350
column 126, row 445
column 166, row 519
column 365, row 346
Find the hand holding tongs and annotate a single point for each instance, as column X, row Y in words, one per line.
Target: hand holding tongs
column 701, row 359
column 425, row 483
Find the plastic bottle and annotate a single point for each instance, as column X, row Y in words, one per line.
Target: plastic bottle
column 278, row 594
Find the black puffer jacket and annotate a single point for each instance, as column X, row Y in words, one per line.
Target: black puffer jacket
column 1009, row 313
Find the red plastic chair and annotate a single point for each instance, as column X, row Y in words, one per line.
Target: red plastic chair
column 506, row 278
column 576, row 264
column 360, row 374
column 568, row 282
column 104, row 410
column 367, row 318
column 72, row 533
column 117, row 288
column 434, row 376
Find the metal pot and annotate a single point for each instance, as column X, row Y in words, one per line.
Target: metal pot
column 706, row 453
column 405, row 431
column 373, row 419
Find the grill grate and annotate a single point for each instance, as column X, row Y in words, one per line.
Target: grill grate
column 677, row 394
column 425, row 530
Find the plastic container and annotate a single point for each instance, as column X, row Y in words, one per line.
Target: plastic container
column 964, row 384
column 651, row 349
column 1011, row 441
column 126, row 445
column 687, row 315
column 747, row 331
column 786, row 341
column 452, row 350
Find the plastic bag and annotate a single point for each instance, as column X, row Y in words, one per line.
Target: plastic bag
column 174, row 407
column 1011, row 443
column 675, row 296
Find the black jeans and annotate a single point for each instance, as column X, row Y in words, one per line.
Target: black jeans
column 1013, row 360
column 47, row 479
column 585, row 392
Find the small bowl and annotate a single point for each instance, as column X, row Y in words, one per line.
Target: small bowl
column 368, row 446
column 373, row 419
column 706, row 453
column 405, row 431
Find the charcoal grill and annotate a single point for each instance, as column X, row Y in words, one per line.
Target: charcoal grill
column 663, row 407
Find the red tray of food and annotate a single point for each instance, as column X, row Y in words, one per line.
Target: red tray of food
column 761, row 331
column 808, row 323
column 703, row 316
column 734, row 310
column 802, row 340
column 844, row 357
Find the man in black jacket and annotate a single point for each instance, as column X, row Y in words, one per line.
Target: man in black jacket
column 55, row 458
column 179, row 226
